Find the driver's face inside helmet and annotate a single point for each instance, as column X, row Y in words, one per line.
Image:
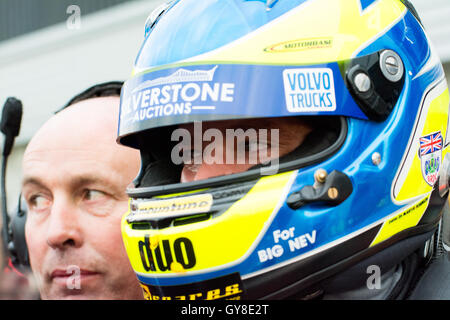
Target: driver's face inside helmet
column 219, row 148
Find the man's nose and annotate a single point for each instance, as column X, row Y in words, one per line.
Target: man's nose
column 63, row 228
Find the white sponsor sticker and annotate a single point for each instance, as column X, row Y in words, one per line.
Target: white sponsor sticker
column 309, row 90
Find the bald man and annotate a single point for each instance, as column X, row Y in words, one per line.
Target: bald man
column 74, row 181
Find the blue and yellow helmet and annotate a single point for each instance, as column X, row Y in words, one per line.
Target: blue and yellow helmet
column 362, row 189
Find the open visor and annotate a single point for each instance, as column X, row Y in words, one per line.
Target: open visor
column 186, row 93
column 157, row 103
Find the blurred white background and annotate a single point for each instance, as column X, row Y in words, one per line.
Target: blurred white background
column 45, row 66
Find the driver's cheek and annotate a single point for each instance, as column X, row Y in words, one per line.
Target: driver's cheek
column 189, row 172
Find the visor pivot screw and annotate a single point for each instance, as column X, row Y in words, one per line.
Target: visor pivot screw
column 133, row 207
column 391, row 65
column 376, row 158
column 362, row 82
column 320, row 176
column 333, row 193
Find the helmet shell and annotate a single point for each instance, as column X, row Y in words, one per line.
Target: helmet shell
column 256, row 245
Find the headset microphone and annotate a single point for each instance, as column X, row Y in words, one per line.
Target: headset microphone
column 10, row 123
column 10, row 127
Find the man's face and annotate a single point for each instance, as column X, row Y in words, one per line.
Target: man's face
column 282, row 136
column 75, row 177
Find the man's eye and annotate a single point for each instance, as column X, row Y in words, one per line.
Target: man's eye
column 39, row 203
column 93, row 195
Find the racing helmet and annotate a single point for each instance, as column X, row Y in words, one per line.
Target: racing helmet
column 366, row 185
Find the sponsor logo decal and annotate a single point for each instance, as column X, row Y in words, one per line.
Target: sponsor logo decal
column 223, row 288
column 300, row 45
column 287, row 236
column 309, row 90
column 430, row 154
column 179, row 76
column 176, row 94
column 170, row 208
column 166, row 256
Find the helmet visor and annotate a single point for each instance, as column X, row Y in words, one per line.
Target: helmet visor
column 190, row 93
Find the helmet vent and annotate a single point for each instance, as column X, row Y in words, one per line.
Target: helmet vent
column 191, row 219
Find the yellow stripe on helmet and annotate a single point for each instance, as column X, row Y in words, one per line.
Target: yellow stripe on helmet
column 336, row 35
column 212, row 243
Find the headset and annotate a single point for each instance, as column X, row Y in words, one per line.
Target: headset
column 13, row 232
column 13, row 239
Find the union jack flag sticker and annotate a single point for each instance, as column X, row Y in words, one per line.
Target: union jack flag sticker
column 430, row 153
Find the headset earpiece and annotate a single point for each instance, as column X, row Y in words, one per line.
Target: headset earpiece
column 17, row 245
